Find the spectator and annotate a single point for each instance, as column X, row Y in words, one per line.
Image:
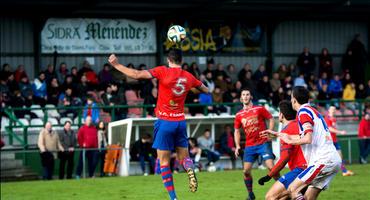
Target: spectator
column 323, row 80
column 325, row 63
column 53, row 92
column 227, row 144
column 208, row 82
column 287, row 83
column 217, row 97
column 68, row 140
column 91, row 110
column 231, row 73
column 346, row 79
column 360, row 59
column 195, row 152
column 5, row 72
column 105, row 76
column 368, row 89
column 50, row 73
column 306, row 62
column 275, row 82
column 19, row 73
column 143, row 152
column 248, row 82
column 314, row 93
column 323, row 95
column 4, row 89
column 293, row 70
column 74, row 74
column 40, row 90
column 82, row 88
column 282, row 71
column 349, row 94
column 220, row 71
column 25, row 87
column 264, row 88
column 242, row 73
column 62, row 72
column 102, row 142
column 194, row 70
column 108, row 98
column 335, row 87
column 86, row 67
column 221, row 83
column 260, row 73
column 66, row 100
column 206, row 98
column 87, row 138
column 146, row 87
column 348, row 61
column 151, row 100
column 299, row 81
column 364, row 138
column 18, row 101
column 68, row 83
column 311, row 82
column 12, row 84
column 206, row 143
column 185, row 66
column 49, row 145
column 209, row 68
column 361, row 92
column 278, row 96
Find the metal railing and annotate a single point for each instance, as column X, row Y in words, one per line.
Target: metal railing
column 14, row 122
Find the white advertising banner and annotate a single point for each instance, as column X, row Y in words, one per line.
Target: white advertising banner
column 85, row 35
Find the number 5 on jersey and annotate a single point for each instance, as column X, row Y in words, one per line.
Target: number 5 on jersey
column 179, row 88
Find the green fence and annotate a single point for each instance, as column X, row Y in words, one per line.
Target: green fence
column 23, row 140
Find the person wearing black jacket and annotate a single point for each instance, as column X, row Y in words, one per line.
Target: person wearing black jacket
column 142, row 150
column 68, row 140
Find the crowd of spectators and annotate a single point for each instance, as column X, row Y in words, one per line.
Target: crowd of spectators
column 64, row 86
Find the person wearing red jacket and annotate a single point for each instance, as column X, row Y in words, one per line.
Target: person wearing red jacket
column 87, row 138
column 364, row 138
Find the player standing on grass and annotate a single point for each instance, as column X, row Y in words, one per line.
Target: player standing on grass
column 252, row 119
column 331, row 121
column 317, row 145
column 170, row 128
column 291, row 154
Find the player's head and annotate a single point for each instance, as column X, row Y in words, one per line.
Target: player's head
column 300, row 96
column 286, row 111
column 246, row 96
column 174, row 56
column 331, row 110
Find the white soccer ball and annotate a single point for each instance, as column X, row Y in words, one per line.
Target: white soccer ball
column 176, row 33
column 211, row 168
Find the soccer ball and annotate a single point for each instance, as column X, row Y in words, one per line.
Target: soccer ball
column 176, row 33
column 211, row 168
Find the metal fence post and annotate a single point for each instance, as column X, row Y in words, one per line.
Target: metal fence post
column 84, row 162
column 349, row 151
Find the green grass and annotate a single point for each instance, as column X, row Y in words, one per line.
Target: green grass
column 218, row 186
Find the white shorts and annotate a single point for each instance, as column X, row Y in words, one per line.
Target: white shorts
column 319, row 175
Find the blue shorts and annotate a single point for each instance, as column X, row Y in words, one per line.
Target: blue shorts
column 337, row 146
column 170, row 134
column 289, row 177
column 264, row 150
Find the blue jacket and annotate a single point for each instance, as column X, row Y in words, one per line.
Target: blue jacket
column 335, row 86
column 94, row 112
column 205, row 98
column 39, row 89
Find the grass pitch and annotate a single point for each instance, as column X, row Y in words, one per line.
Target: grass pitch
column 219, row 186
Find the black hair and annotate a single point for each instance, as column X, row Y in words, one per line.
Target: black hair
column 301, row 94
column 207, row 130
column 287, row 110
column 147, row 136
column 175, row 55
column 67, row 122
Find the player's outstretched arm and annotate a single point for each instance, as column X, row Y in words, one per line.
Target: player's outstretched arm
column 132, row 73
column 336, row 131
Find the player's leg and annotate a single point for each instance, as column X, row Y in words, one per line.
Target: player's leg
column 248, row 180
column 312, row 193
column 182, row 149
column 249, row 157
column 265, row 151
column 345, row 171
column 295, row 189
column 277, row 191
column 164, row 143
